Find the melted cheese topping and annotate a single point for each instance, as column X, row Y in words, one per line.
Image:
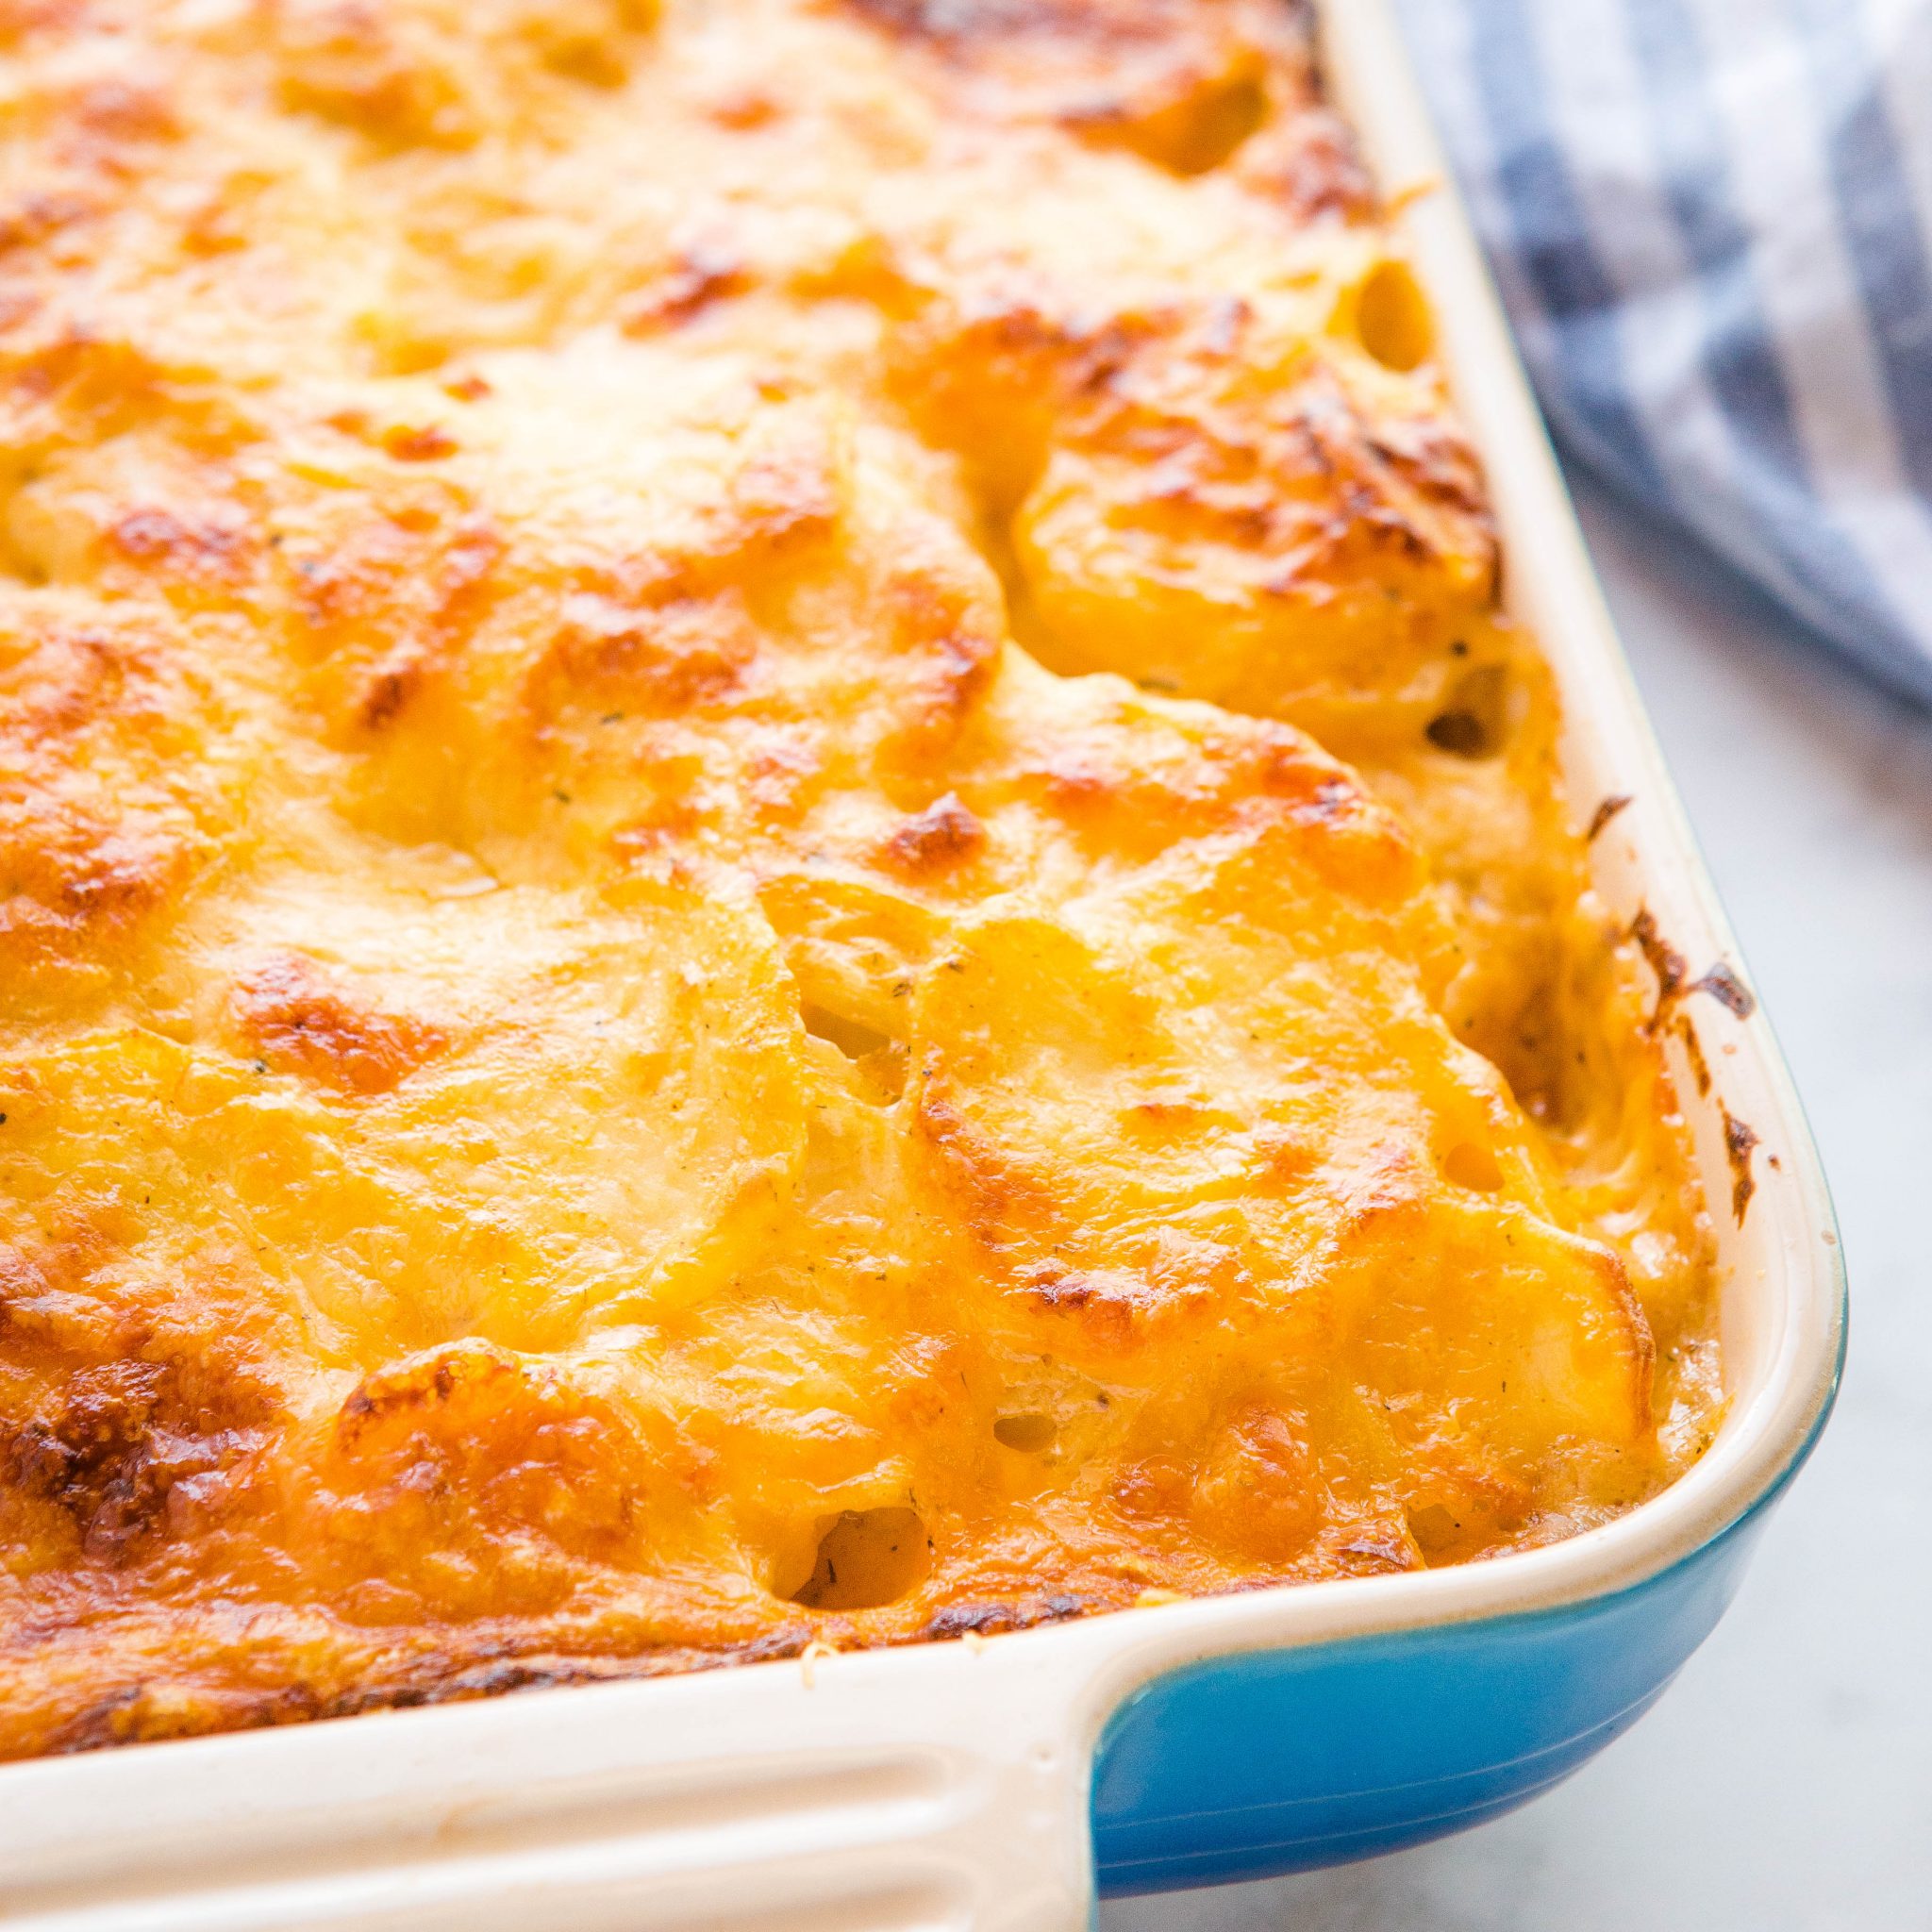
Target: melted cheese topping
column 770, row 867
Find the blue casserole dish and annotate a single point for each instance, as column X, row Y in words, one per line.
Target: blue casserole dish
column 1003, row 1783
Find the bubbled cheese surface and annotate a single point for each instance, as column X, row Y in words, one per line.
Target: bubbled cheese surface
column 768, row 865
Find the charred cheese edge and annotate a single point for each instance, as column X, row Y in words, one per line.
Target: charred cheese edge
column 770, row 868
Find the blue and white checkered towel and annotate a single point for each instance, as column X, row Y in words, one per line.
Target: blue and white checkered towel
column 1713, row 222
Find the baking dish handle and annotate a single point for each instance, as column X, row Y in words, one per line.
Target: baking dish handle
column 876, row 1793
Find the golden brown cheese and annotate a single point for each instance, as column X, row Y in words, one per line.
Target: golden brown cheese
column 769, row 866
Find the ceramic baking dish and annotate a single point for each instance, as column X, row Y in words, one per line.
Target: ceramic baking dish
column 995, row 1783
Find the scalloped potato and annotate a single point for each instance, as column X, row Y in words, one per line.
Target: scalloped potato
column 770, row 865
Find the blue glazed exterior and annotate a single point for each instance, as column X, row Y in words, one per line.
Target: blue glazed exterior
column 1268, row 1762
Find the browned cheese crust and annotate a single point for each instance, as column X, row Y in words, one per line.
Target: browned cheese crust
column 769, row 867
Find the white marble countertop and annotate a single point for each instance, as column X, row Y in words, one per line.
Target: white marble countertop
column 1785, row 1783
